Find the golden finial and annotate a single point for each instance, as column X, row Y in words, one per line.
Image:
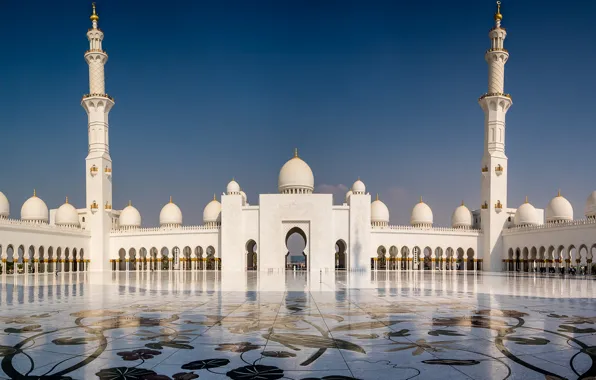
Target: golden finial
column 498, row 15
column 358, row 178
column 421, row 199
column 171, row 199
column 526, row 199
column 34, row 193
column 233, row 178
column 94, row 16
column 66, row 200
column 130, row 203
column 559, row 193
column 295, row 152
column 214, row 197
column 377, row 196
column 462, row 203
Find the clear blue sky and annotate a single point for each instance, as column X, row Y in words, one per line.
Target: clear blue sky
column 210, row 90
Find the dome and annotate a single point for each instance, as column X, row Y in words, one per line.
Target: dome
column 348, row 195
column 296, row 177
column 358, row 187
column 526, row 215
column 67, row 215
column 244, row 198
column 591, row 206
column 422, row 215
column 462, row 217
column 379, row 213
column 4, row 206
column 212, row 212
column 233, row 187
column 130, row 217
column 170, row 215
column 559, row 209
column 34, row 210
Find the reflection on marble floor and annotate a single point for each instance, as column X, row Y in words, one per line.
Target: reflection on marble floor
column 384, row 325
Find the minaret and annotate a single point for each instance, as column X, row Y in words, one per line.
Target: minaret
column 495, row 104
column 98, row 104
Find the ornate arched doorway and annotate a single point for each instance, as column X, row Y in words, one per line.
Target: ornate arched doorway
column 251, row 255
column 341, row 259
column 296, row 257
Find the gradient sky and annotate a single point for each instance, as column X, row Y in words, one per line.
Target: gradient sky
column 210, row 90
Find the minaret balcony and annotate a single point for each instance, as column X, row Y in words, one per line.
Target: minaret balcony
column 489, row 94
column 499, row 170
column 97, row 96
column 93, row 170
column 497, row 49
column 107, row 206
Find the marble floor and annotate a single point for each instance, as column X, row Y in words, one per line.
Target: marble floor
column 380, row 325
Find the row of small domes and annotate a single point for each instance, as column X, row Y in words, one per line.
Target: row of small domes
column 558, row 210
column 35, row 210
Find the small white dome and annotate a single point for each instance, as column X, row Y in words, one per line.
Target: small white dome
column 212, row 212
column 462, row 217
column 170, row 215
column 244, row 198
column 559, row 209
column 358, row 187
column 591, row 206
column 34, row 210
column 4, row 206
column 422, row 215
column 130, row 217
column 526, row 215
column 348, row 195
column 67, row 215
column 379, row 213
column 233, row 187
column 296, row 177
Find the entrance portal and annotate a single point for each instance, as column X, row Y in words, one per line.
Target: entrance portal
column 340, row 255
column 251, row 255
column 296, row 243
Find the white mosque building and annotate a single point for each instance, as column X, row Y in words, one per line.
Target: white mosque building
column 353, row 236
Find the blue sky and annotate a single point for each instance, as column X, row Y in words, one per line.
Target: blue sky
column 210, row 90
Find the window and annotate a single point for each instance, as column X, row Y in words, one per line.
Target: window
column 83, row 219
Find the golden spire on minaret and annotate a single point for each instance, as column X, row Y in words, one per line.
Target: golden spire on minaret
column 498, row 15
column 94, row 16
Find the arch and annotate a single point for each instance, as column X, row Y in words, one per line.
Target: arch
column 524, row 262
column 187, row 253
column 66, row 266
column 122, row 259
column 251, row 255
column 341, row 255
column 393, row 256
column 132, row 259
column 381, row 259
column 82, row 263
column 143, row 258
column 39, row 266
column 199, row 256
column 165, row 260
column 153, row 258
column 449, row 258
column 75, row 260
column 210, row 258
column 10, row 259
column 405, row 257
column 416, row 255
column 50, row 259
column 470, row 259
column 300, row 242
column 459, row 259
column 439, row 258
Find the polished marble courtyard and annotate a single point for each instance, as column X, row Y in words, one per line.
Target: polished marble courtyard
column 212, row 325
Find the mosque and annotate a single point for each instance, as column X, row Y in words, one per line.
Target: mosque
column 352, row 236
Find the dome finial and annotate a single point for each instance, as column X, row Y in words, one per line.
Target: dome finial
column 94, row 17
column 559, row 193
column 296, row 152
column 130, row 203
column 526, row 199
column 498, row 15
column 171, row 199
column 214, row 197
column 66, row 199
column 34, row 193
column 421, row 199
column 377, row 196
column 462, row 203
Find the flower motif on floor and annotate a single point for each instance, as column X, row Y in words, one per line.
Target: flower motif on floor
column 420, row 346
column 143, row 354
column 185, row 376
column 206, row 364
column 254, row 372
column 124, row 373
column 237, row 347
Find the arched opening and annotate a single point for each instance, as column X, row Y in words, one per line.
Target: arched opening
column 340, row 255
column 571, row 262
column 122, row 259
column 75, row 260
column 525, row 257
column 449, row 258
column 143, row 257
column 251, row 255
column 176, row 258
column 296, row 243
column 416, row 252
column 187, row 263
column 200, row 259
column 66, row 266
column 381, row 258
column 459, row 264
column 517, row 258
column 40, row 267
column 20, row 259
column 583, row 259
column 533, row 258
column 439, row 264
column 82, row 263
column 211, row 258
column 427, row 254
column 50, row 260
column 10, row 259
column 153, row 258
column 28, row 268
column 58, row 259
column 551, row 263
column 132, row 259
column 561, row 256
column 165, row 260
column 470, row 259
column 405, row 252
column 393, row 257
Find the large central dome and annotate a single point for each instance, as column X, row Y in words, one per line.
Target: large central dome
column 296, row 177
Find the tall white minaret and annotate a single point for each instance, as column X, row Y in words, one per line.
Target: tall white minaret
column 495, row 104
column 98, row 104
